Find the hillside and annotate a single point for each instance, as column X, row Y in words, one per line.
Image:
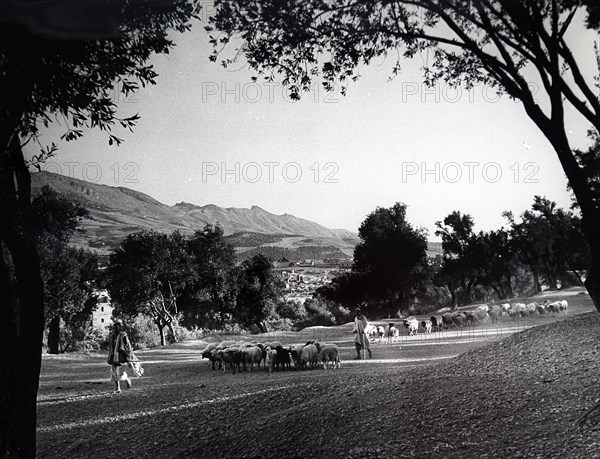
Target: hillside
column 118, row 211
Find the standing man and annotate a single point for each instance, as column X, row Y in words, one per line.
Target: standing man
column 361, row 340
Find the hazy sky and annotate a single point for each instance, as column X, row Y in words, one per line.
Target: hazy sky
column 210, row 135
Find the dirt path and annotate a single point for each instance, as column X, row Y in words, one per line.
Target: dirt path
column 518, row 397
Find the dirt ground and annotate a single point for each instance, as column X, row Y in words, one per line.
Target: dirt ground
column 512, row 390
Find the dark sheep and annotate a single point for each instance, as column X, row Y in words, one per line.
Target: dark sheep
column 282, row 360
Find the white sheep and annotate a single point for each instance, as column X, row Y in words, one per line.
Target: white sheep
column 309, row 355
column 392, row 333
column 270, row 359
column 427, row 325
column 380, row 333
column 329, row 353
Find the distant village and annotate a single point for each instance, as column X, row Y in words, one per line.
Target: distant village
column 303, row 278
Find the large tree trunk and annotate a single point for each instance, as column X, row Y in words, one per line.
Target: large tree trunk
column 591, row 228
column 554, row 130
column 161, row 331
column 537, row 287
column 454, row 299
column 54, row 336
column 172, row 332
column 22, row 312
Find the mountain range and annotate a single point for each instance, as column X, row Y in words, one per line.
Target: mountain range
column 118, row 211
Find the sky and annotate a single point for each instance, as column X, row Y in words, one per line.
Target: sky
column 209, row 135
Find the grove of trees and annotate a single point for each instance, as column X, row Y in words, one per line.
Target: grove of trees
column 392, row 274
column 502, row 44
column 193, row 278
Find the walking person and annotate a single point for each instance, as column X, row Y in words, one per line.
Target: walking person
column 361, row 340
column 121, row 357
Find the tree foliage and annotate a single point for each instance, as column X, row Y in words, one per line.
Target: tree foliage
column 68, row 274
column 258, row 292
column 503, row 44
column 148, row 274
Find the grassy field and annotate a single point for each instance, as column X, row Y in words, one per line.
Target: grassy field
column 505, row 395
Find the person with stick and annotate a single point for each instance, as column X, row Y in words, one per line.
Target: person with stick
column 121, row 357
column 361, row 340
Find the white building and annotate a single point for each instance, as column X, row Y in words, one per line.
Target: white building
column 103, row 312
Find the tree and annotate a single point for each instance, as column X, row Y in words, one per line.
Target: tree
column 67, row 70
column 69, row 276
column 461, row 261
column 148, row 274
column 258, row 292
column 390, row 260
column 67, row 273
column 497, row 262
column 498, row 43
column 214, row 261
column 549, row 241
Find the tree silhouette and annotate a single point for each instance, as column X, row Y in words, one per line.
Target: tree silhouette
column 498, row 43
column 64, row 70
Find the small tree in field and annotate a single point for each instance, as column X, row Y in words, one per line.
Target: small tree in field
column 390, row 260
column 498, row 43
column 148, row 274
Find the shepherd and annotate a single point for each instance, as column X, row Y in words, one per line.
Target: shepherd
column 121, row 357
column 361, row 340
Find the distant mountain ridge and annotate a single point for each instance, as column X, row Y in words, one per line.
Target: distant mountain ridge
column 118, row 211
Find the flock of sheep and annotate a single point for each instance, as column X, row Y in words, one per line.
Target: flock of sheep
column 472, row 317
column 244, row 356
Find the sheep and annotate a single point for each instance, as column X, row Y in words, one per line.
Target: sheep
column 516, row 310
column 459, row 318
column 483, row 307
column 531, row 308
column 563, row 306
column 412, row 325
column 392, row 333
column 273, row 345
column 471, row 317
column 556, row 307
column 542, row 308
column 295, row 351
column 505, row 307
column 495, row 312
column 231, row 355
column 252, row 355
column 448, row 320
column 371, row 331
column 270, row 358
column 282, row 359
column 380, row 333
column 437, row 322
column 329, row 353
column 213, row 357
column 481, row 314
column 427, row 325
column 207, row 353
column 309, row 355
